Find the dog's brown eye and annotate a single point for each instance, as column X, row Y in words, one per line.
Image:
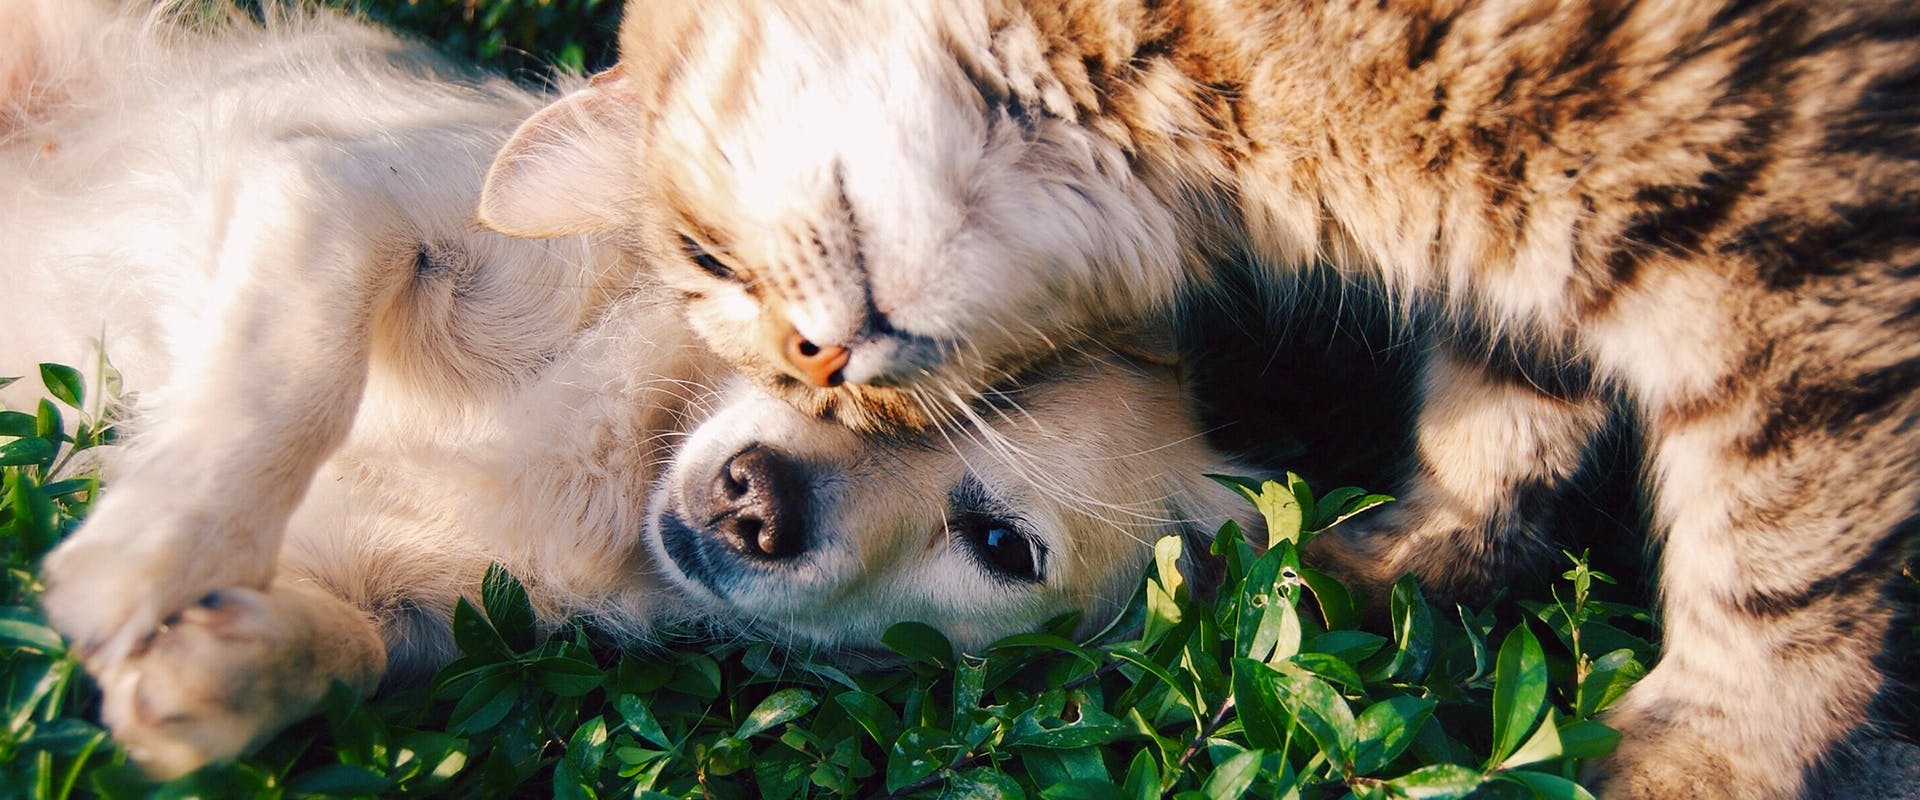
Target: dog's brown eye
column 1003, row 548
column 705, row 260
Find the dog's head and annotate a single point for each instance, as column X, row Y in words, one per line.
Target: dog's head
column 875, row 209
column 1049, row 501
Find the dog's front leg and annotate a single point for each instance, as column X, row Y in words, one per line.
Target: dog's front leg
column 266, row 387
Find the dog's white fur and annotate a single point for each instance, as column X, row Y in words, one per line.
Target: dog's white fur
column 347, row 400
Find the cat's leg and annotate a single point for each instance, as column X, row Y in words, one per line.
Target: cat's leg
column 266, row 387
column 228, row 672
column 1786, row 494
column 1495, row 446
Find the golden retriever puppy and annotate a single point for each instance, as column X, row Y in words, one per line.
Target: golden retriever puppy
column 345, row 400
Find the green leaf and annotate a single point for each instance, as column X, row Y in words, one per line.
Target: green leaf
column 1588, row 739
column 340, row 779
column 1386, row 728
column 1519, row 691
column 475, row 635
column 780, row 776
column 508, row 608
column 1166, row 562
column 1268, row 627
column 431, row 757
column 1233, row 777
column 982, row 784
column 780, row 707
column 1319, row 709
column 1611, row 676
column 640, row 720
column 1347, row 645
column 919, row 641
column 1543, row 745
column 28, row 451
column 586, row 749
column 1353, row 509
column 47, row 423
column 22, row 629
column 14, row 423
column 1552, row 787
column 918, row 753
column 1438, row 782
column 874, row 715
column 63, row 382
column 566, row 676
column 1332, row 668
column 1476, row 627
column 1045, row 642
column 1412, row 634
column 1336, row 603
column 1040, row 727
column 1281, row 508
column 1143, row 778
column 1265, row 717
column 359, row 736
column 486, row 705
column 1178, row 690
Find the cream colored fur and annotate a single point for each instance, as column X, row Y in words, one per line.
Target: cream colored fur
column 346, row 400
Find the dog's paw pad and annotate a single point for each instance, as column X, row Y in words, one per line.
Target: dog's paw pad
column 201, row 687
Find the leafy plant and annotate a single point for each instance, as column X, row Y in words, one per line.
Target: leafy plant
column 1267, row 684
column 517, row 37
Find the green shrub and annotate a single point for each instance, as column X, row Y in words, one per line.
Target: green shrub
column 525, row 39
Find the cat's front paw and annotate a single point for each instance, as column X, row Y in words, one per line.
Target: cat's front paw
column 134, row 564
column 214, row 681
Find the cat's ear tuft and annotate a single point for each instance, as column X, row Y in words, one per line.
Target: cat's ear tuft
column 569, row 168
column 656, row 34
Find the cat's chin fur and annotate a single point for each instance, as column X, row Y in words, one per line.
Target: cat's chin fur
column 1700, row 214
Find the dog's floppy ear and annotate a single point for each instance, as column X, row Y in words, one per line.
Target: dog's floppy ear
column 568, row 169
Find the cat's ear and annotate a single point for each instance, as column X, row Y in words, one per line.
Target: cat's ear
column 569, row 168
column 656, row 34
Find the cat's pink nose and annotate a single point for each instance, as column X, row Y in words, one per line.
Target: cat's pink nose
column 818, row 365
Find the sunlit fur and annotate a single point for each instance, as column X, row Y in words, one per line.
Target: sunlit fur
column 1699, row 213
column 345, row 401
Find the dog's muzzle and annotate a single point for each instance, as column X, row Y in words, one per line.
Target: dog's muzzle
column 754, row 518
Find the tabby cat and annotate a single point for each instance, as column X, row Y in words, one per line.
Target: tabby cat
column 1704, row 213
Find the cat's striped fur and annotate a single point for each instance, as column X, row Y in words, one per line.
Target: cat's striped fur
column 1701, row 210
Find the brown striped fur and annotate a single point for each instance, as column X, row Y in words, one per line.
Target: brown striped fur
column 1702, row 210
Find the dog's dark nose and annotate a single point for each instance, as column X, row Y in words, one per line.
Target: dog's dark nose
column 758, row 504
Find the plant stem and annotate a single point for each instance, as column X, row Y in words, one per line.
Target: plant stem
column 1219, row 719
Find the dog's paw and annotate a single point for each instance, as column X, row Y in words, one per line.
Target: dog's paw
column 225, row 674
column 134, row 564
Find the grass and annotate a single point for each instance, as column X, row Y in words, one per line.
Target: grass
column 1269, row 686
